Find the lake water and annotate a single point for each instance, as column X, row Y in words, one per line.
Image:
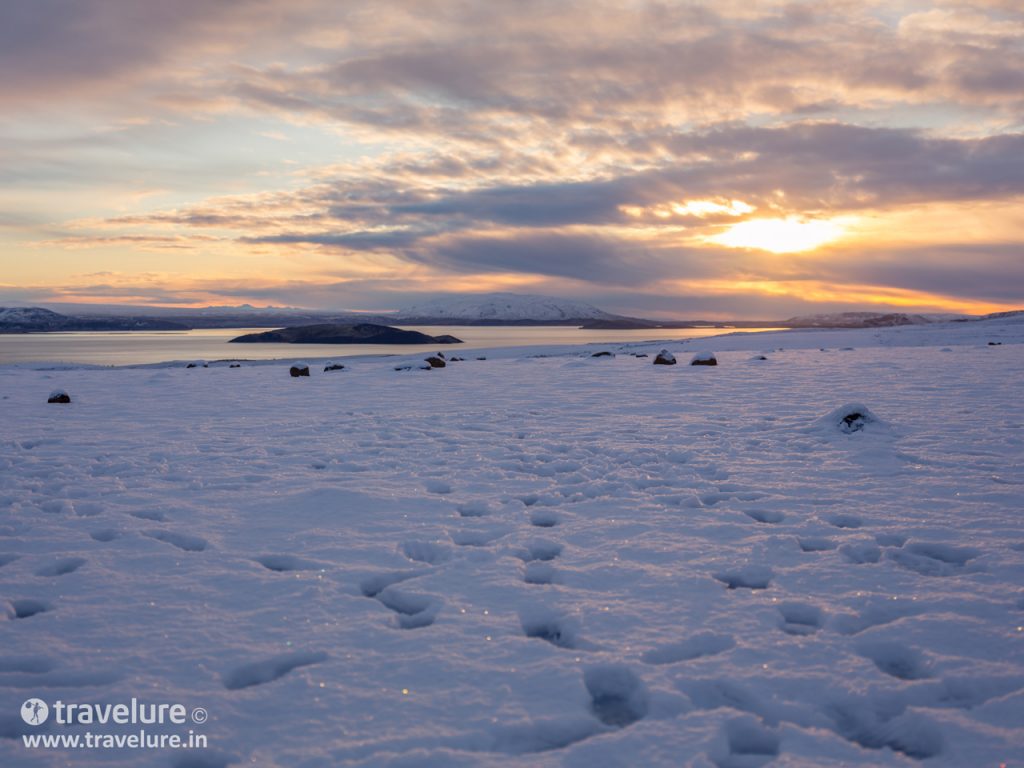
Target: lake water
column 139, row 347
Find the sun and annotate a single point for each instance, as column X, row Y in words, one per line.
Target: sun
column 789, row 235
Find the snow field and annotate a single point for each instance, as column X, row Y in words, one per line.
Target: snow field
column 545, row 561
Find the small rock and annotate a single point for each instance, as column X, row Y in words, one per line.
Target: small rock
column 435, row 361
column 455, row 359
column 704, row 358
column 995, row 343
column 643, row 354
column 235, row 365
column 334, row 367
column 759, row 357
column 299, row 369
column 602, row 354
column 198, row 364
column 664, row 358
column 481, row 358
column 59, row 396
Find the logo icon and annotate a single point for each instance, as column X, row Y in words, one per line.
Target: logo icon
column 35, row 711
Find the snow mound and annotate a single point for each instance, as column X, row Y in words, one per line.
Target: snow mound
column 849, row 418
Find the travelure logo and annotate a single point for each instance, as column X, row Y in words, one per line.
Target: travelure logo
column 35, row 711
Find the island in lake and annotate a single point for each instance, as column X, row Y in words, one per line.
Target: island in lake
column 330, row 333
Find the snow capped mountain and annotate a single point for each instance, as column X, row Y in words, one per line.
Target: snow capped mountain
column 39, row 320
column 504, row 307
column 30, row 317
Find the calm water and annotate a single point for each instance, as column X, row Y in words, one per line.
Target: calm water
column 136, row 347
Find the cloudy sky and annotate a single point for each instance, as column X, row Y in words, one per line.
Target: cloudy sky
column 726, row 158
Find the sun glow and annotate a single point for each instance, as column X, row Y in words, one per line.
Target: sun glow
column 789, row 235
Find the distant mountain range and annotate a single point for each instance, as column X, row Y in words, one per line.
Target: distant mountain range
column 38, row 320
column 476, row 309
column 866, row 320
column 504, row 309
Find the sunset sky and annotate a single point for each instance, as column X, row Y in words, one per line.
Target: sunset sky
column 735, row 158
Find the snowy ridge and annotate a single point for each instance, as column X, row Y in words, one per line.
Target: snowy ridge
column 504, row 307
column 30, row 317
column 859, row 320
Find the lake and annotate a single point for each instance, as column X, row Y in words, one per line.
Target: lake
column 140, row 347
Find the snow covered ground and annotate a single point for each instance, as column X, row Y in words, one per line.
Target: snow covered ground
column 530, row 561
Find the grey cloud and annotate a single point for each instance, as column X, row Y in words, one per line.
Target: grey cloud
column 987, row 271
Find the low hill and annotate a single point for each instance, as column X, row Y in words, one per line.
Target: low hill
column 331, row 333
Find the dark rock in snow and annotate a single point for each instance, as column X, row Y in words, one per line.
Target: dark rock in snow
column 334, row 367
column 435, row 361
column 59, row 396
column 198, row 364
column 481, row 358
column 665, row 358
column 850, row 418
column 235, row 365
column 603, row 354
column 704, row 358
column 995, row 343
column 642, row 354
column 852, row 422
column 456, row 359
column 299, row 369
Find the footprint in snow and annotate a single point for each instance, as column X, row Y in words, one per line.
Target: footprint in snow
column 895, row 659
column 182, row 541
column 437, row 486
column 543, row 550
column 539, row 572
column 414, row 611
column 934, row 559
column 845, row 521
column 26, row 608
column 28, row 665
column 550, row 625
column 150, row 514
column 815, row 543
column 618, row 696
column 890, row 540
column 800, row 618
column 284, row 563
column 861, row 552
column 371, row 586
column 475, row 538
column 748, row 577
column 473, row 509
column 429, row 552
column 765, row 515
column 544, row 518
column 88, row 508
column 105, row 535
column 745, row 743
column 62, row 567
column 695, row 647
column 261, row 672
